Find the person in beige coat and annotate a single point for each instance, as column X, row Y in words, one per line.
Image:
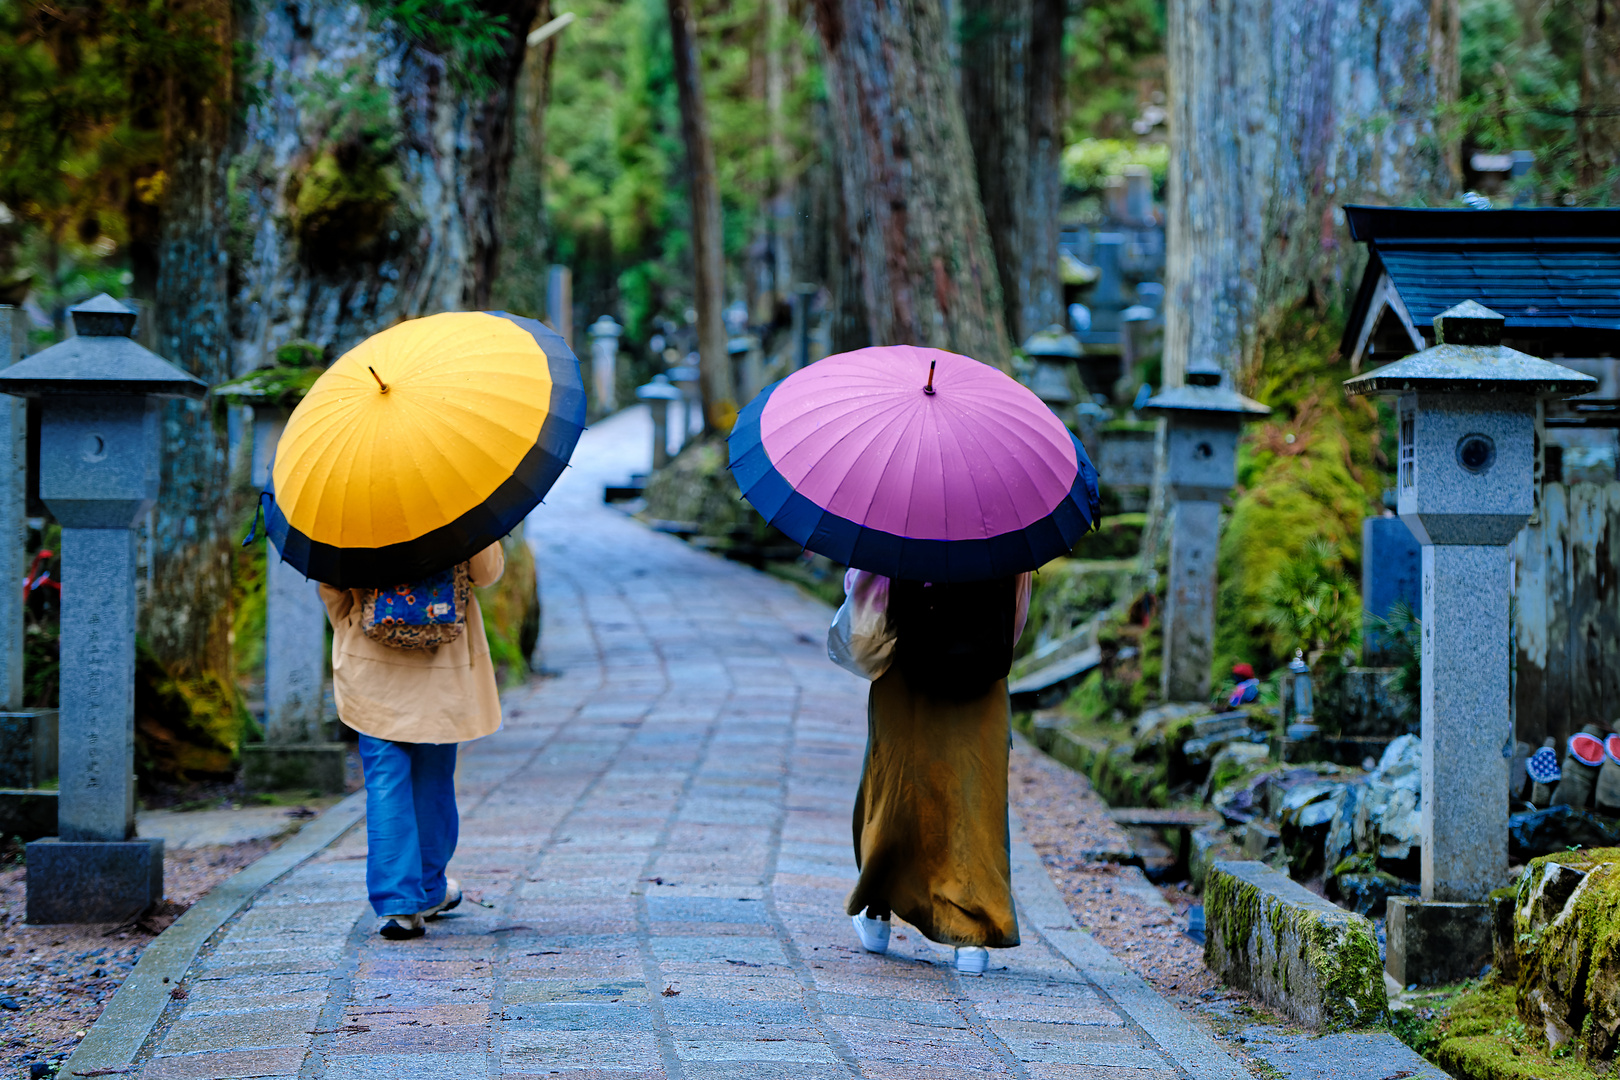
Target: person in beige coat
column 411, row 707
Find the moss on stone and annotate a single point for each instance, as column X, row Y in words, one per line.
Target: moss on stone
column 511, row 610
column 281, row 385
column 1481, row 1037
column 1568, row 953
column 1310, row 471
column 1320, row 967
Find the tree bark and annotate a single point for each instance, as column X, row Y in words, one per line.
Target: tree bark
column 708, row 254
column 1012, row 58
column 185, row 614
column 521, row 285
column 367, row 183
column 928, row 276
column 1597, row 127
column 1281, row 113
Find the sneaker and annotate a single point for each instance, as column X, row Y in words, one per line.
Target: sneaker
column 452, row 897
column 874, row 933
column 972, row 959
column 401, row 927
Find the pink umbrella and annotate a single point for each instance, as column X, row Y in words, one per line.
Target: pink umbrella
column 915, row 463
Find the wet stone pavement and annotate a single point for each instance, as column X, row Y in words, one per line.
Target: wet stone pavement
column 659, row 839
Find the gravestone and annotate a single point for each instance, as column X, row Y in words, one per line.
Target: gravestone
column 100, row 451
column 1465, row 486
column 1202, row 419
column 1107, row 298
column 1391, row 573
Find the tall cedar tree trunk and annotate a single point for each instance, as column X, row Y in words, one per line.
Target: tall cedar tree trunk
column 1012, row 70
column 1597, row 128
column 1280, row 114
column 368, row 180
column 910, row 201
column 521, row 285
column 185, row 614
column 708, row 254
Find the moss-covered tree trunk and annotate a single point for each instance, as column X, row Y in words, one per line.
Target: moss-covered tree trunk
column 369, row 174
column 1597, row 126
column 1281, row 113
column 521, row 285
column 1012, row 73
column 911, row 205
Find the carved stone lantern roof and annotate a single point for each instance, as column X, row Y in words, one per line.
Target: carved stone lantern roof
column 1203, row 394
column 101, row 359
column 1469, row 357
column 1054, row 343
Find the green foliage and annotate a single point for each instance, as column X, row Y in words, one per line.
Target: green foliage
column 617, row 202
column 1312, row 605
column 347, row 203
column 1311, row 472
column 1520, row 71
column 466, row 35
column 1116, row 63
column 1402, row 630
column 95, row 97
column 1087, row 163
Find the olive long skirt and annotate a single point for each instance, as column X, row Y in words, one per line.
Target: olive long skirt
column 931, row 837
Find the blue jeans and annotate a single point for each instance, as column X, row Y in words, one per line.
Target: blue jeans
column 411, row 822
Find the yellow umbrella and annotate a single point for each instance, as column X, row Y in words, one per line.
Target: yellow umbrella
column 421, row 446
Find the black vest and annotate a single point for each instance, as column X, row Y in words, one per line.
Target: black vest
column 953, row 641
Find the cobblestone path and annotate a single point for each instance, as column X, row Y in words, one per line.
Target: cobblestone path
column 660, row 841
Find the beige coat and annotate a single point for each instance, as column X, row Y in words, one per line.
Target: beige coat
column 441, row 695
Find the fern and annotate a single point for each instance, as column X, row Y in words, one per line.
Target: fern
column 462, row 32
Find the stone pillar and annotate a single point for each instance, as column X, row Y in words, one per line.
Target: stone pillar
column 97, row 758
column 294, row 656
column 1466, row 720
column 604, row 362
column 295, row 752
column 100, row 448
column 1189, row 609
column 13, row 511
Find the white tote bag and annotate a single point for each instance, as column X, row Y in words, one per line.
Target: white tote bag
column 860, row 640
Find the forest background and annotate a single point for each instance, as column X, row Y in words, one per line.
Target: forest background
column 273, row 181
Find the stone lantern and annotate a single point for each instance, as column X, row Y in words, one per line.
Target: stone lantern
column 1055, row 352
column 296, row 752
column 1465, row 486
column 99, row 456
column 658, row 394
column 605, row 334
column 685, row 378
column 1200, row 436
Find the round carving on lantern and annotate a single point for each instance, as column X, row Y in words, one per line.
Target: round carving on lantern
column 1476, row 452
column 93, row 447
column 1203, row 451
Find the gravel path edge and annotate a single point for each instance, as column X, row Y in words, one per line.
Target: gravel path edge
column 1195, row 1053
column 110, row 1046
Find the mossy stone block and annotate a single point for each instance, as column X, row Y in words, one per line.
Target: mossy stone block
column 1433, row 942
column 1301, row 955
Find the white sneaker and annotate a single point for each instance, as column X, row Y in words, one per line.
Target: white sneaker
column 972, row 959
column 874, row 933
column 452, row 897
column 401, row 927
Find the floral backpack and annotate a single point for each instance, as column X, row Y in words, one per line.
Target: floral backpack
column 422, row 615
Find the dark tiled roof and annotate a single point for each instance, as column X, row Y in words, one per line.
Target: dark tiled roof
column 1542, row 283
column 1554, row 273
